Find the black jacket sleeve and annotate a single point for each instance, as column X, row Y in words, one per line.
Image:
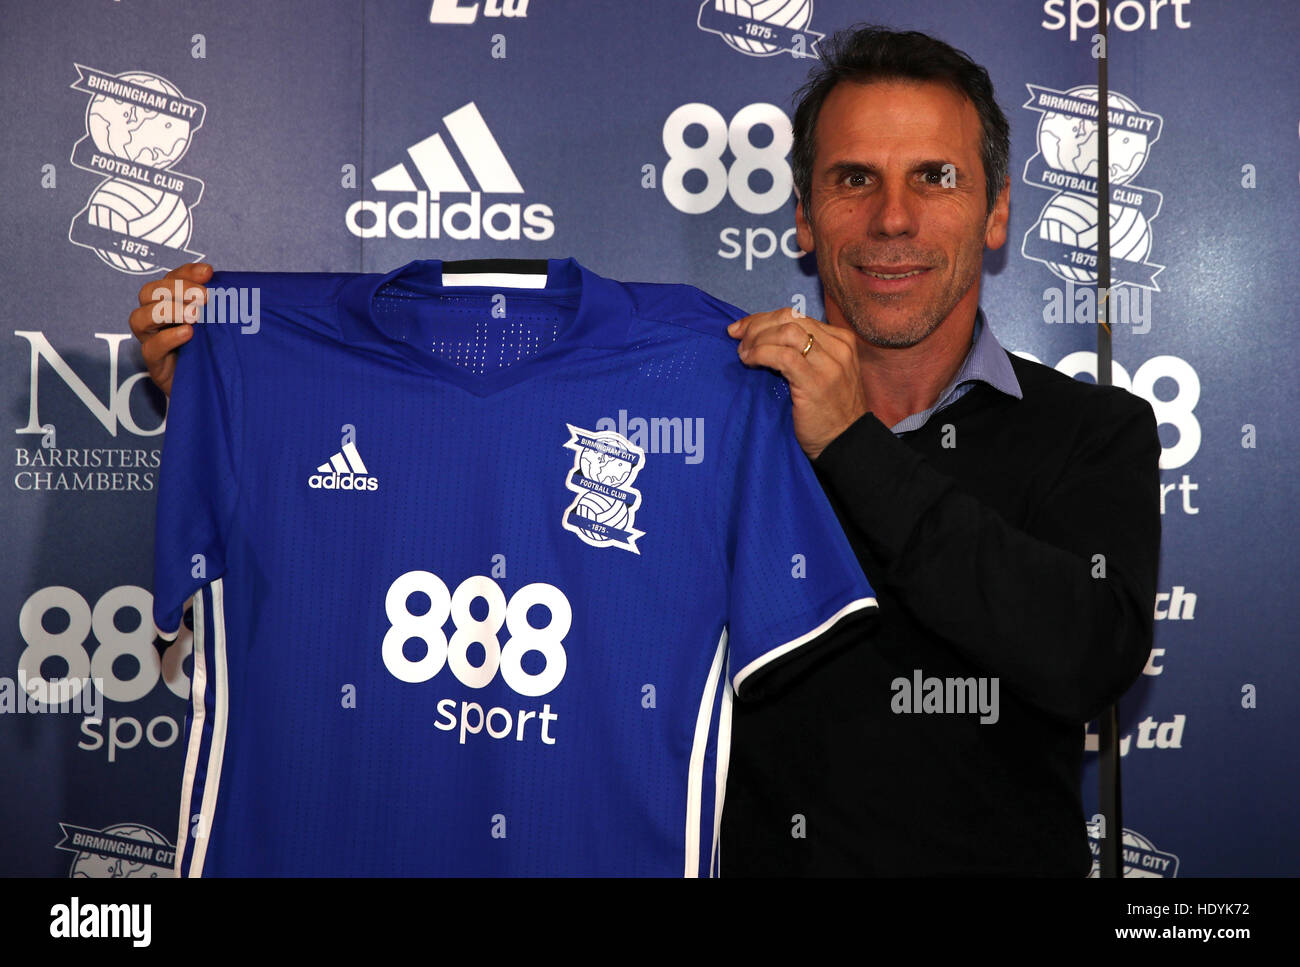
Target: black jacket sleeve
column 1023, row 604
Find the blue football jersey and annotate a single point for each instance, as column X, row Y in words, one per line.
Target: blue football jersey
column 477, row 571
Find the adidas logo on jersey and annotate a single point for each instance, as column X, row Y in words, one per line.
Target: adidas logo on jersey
column 425, row 217
column 344, row 471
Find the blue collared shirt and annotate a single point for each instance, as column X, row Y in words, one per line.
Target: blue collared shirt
column 985, row 363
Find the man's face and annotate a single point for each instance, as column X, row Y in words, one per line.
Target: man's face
column 880, row 206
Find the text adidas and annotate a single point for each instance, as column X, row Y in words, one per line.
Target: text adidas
column 342, row 481
column 422, row 218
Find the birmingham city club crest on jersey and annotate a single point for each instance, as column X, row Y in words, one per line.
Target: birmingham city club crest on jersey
column 605, row 465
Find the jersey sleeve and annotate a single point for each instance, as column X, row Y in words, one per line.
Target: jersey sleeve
column 794, row 580
column 198, row 483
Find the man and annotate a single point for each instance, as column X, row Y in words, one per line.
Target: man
column 1008, row 522
column 1006, row 515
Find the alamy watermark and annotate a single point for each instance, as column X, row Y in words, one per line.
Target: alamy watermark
column 945, row 696
column 36, row 696
column 659, row 434
column 226, row 305
column 1126, row 305
column 103, row 921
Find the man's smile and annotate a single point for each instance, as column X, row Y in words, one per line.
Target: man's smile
column 891, row 278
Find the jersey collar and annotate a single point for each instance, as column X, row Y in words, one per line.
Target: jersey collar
column 601, row 316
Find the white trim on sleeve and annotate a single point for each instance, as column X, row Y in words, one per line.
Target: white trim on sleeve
column 779, row 650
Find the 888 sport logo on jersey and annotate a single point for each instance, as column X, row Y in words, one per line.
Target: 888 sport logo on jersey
column 531, row 662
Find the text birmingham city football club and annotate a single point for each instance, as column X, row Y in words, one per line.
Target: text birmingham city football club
column 117, row 851
column 1142, row 858
column 138, row 126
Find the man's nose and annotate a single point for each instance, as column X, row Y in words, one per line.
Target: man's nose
column 893, row 213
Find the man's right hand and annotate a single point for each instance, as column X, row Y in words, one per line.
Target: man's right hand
column 162, row 324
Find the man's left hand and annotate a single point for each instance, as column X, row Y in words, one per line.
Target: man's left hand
column 824, row 376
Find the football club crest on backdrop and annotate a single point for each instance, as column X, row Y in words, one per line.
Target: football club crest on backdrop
column 1141, row 857
column 138, row 125
column 605, row 465
column 125, row 850
column 761, row 28
column 1064, row 238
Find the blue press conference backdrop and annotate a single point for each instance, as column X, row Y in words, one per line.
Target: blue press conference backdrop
column 650, row 141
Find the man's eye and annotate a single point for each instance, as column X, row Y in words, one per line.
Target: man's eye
column 934, row 176
column 855, row 180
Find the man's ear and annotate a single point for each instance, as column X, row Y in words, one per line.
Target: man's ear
column 995, row 226
column 803, row 229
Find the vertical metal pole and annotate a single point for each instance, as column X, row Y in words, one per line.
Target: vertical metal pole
column 1111, row 861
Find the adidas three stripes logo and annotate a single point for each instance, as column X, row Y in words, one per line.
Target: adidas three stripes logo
column 343, row 471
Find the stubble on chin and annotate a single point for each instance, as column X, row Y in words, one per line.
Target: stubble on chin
column 877, row 319
column 881, row 319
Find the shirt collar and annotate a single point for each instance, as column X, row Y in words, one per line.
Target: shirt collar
column 986, row 362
